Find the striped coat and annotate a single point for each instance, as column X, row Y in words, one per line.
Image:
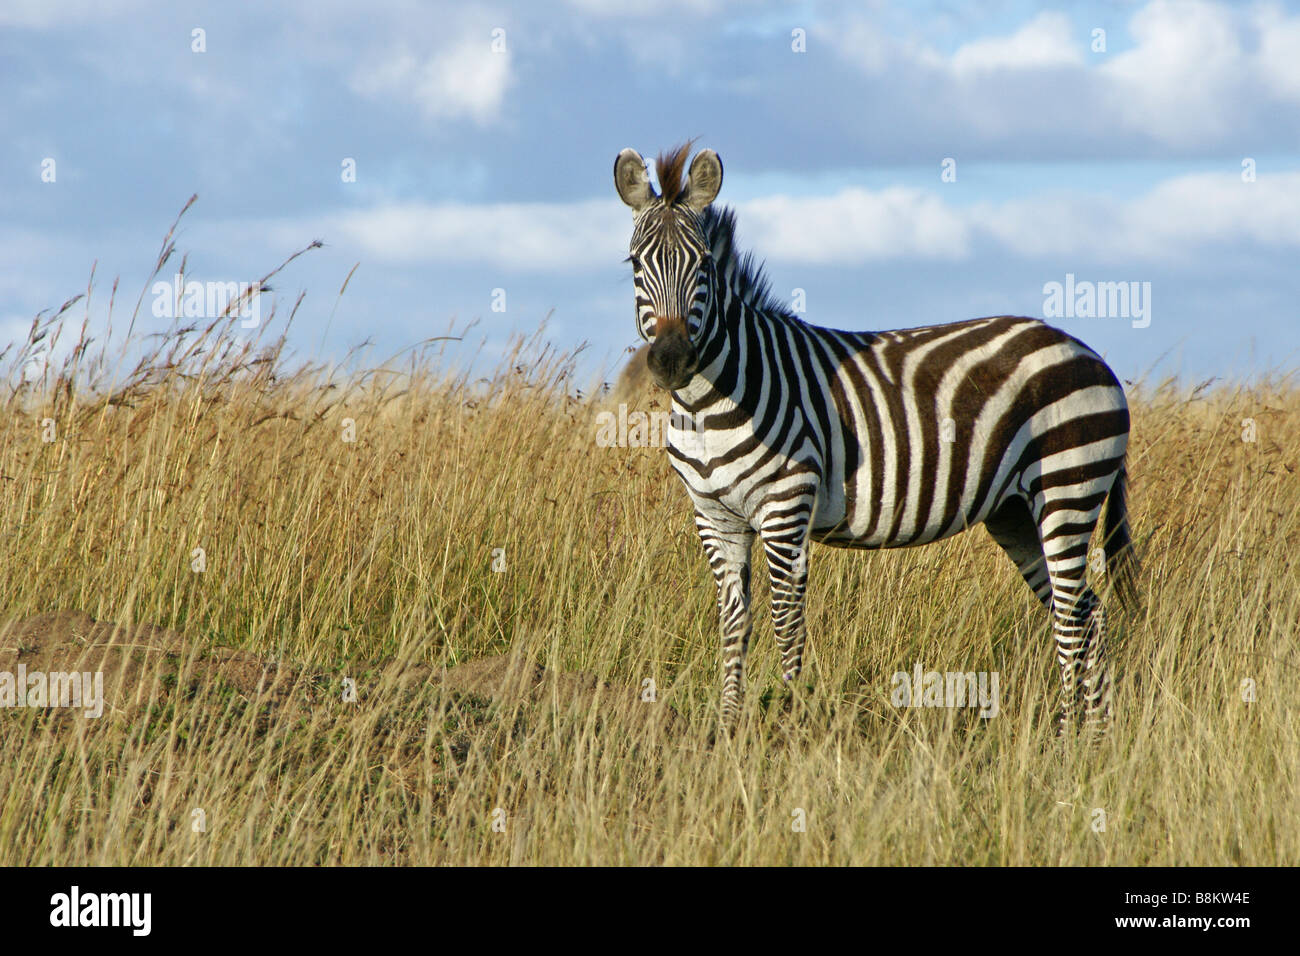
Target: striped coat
column 791, row 433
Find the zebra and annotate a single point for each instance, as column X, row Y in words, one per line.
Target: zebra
column 793, row 433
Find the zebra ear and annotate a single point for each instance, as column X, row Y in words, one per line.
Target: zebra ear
column 705, row 180
column 632, row 180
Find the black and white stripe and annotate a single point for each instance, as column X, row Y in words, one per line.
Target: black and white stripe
column 872, row 440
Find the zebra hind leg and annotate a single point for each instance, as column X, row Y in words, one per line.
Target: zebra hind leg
column 1013, row 528
column 1078, row 624
column 1095, row 673
column 1078, row 620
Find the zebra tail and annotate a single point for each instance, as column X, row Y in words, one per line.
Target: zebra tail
column 1121, row 559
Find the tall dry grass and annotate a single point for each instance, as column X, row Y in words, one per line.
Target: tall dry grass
column 373, row 560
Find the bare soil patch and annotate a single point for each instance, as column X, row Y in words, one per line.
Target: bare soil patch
column 144, row 665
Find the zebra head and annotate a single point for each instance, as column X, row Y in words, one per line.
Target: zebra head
column 672, row 268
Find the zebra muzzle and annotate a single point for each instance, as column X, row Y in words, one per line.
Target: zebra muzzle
column 672, row 359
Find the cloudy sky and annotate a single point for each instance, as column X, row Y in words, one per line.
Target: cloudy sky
column 900, row 165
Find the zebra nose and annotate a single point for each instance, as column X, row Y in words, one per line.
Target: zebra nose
column 672, row 360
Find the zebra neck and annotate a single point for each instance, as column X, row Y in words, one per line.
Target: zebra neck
column 733, row 333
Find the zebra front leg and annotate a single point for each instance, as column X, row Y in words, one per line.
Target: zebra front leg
column 785, row 540
column 728, row 554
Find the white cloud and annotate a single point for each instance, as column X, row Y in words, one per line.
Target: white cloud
column 1170, row 222
column 1046, row 41
column 870, row 49
column 1187, row 75
column 521, row 236
column 466, row 79
column 1198, row 73
column 623, row 10
column 1208, row 207
column 44, row 14
column 1279, row 51
column 1175, row 221
column 854, row 225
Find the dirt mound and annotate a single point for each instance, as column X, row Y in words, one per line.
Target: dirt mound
column 142, row 666
column 513, row 678
column 136, row 662
column 634, row 388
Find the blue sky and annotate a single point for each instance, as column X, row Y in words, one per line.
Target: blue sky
column 484, row 137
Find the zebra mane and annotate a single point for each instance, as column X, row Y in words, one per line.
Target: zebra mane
column 669, row 168
column 742, row 270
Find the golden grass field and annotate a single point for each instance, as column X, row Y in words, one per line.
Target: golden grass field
column 330, row 564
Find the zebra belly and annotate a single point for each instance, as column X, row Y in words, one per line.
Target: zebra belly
column 727, row 489
column 840, row 535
